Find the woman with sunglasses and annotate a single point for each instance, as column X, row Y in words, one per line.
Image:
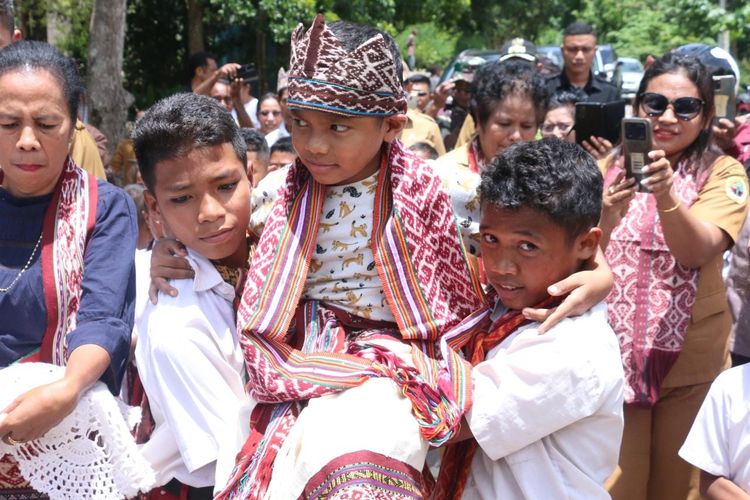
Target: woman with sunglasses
column 665, row 244
column 271, row 119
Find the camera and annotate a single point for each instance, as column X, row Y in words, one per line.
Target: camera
column 247, row 73
column 635, row 131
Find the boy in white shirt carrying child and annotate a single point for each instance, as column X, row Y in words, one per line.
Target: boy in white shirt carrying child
column 192, row 159
column 546, row 420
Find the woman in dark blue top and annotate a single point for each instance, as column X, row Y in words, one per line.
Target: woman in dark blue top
column 67, row 280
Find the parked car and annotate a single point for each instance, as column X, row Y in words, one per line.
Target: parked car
column 465, row 56
column 628, row 74
column 607, row 59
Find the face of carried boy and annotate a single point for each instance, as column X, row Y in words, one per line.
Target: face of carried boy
column 204, row 200
column 339, row 150
column 524, row 252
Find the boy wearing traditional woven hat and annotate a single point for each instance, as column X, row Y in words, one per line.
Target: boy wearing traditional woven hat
column 359, row 275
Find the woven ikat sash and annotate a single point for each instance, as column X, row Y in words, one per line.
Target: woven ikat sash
column 68, row 223
column 652, row 300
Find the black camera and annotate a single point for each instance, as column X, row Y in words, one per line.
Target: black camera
column 247, row 73
column 635, row 131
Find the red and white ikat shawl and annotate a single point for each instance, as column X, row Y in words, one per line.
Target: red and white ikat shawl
column 652, row 300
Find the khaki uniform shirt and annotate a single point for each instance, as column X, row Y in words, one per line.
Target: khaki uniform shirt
column 422, row 128
column 457, row 157
column 723, row 203
column 85, row 153
column 468, row 129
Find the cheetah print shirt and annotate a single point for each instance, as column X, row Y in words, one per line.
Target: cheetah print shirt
column 342, row 270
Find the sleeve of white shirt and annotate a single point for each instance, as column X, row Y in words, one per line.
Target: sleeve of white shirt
column 536, row 386
column 263, row 197
column 186, row 376
column 706, row 444
column 462, row 186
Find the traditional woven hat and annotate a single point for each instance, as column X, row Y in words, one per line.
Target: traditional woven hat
column 282, row 80
column 324, row 76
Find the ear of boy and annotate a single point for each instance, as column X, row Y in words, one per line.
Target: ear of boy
column 587, row 244
column 394, row 125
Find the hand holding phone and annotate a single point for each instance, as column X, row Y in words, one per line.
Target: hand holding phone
column 636, row 144
column 724, row 97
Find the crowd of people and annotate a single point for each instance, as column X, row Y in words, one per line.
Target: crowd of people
column 371, row 284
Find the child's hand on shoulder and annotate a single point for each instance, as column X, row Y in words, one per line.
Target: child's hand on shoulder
column 168, row 261
column 584, row 290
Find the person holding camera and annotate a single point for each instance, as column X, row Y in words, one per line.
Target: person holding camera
column 665, row 245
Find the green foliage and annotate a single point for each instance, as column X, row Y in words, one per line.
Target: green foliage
column 78, row 14
column 434, row 45
column 284, row 15
column 155, row 49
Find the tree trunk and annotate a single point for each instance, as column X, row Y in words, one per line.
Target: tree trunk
column 195, row 26
column 108, row 100
column 260, row 50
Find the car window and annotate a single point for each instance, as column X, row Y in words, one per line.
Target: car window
column 632, row 66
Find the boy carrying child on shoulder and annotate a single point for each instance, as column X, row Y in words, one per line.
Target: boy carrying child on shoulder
column 547, row 414
column 356, row 286
column 192, row 160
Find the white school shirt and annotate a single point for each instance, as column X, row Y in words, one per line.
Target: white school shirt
column 192, row 369
column 251, row 108
column 275, row 135
column 719, row 441
column 548, row 412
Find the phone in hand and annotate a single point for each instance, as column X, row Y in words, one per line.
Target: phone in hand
column 247, row 72
column 724, row 97
column 636, row 144
column 599, row 119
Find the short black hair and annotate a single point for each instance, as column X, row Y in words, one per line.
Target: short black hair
column 255, row 142
column 496, row 81
column 579, row 28
column 550, row 176
column 283, row 145
column 198, row 60
column 29, row 54
column 566, row 98
column 418, row 78
column 7, row 15
column 178, row 124
column 432, row 153
column 353, row 35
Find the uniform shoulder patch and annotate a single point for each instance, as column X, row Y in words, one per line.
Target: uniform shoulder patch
column 736, row 189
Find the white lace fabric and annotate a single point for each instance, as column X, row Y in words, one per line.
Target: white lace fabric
column 90, row 454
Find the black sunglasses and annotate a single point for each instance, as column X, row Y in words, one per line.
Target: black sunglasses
column 685, row 108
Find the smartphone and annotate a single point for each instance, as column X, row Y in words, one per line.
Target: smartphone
column 599, row 119
column 724, row 97
column 247, row 72
column 636, row 143
column 411, row 102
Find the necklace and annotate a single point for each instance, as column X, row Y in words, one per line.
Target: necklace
column 25, row 267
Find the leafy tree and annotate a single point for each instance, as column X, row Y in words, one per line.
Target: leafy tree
column 434, row 45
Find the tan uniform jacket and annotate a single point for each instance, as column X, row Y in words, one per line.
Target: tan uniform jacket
column 422, row 128
column 85, row 153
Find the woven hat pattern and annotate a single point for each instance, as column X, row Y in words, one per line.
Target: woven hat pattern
column 324, row 76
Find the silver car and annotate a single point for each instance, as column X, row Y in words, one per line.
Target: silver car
column 628, row 74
